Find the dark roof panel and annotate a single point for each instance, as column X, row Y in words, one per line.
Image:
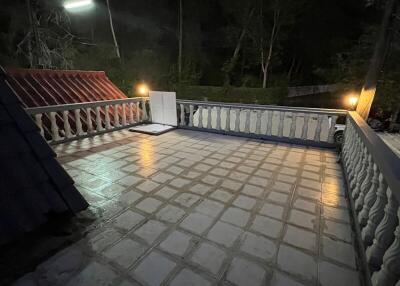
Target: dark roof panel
column 33, row 185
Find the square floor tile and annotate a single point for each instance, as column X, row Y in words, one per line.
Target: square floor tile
column 150, row 231
column 258, row 246
column 236, row 216
column 272, row 210
column 302, row 219
column 209, row 257
column 128, row 220
column 222, row 196
column 244, row 202
column 297, row 263
column 224, row 233
column 188, row 277
column 196, row 222
column 154, row 269
column 210, row 208
column 245, row 273
column 300, row 238
column 176, row 243
column 278, row 197
column 187, row 200
column 125, row 252
column 267, row 226
column 170, row 214
column 149, row 205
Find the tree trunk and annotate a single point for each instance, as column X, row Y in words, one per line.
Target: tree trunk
column 112, row 31
column 232, row 62
column 376, row 64
column 180, row 42
column 274, row 33
column 35, row 55
column 290, row 72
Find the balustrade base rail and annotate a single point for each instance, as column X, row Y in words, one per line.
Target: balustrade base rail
column 287, row 140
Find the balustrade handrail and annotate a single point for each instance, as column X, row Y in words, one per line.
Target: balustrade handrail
column 265, row 107
column 384, row 157
column 83, row 105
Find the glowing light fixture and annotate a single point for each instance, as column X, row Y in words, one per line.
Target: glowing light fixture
column 74, row 4
column 142, row 89
column 353, row 100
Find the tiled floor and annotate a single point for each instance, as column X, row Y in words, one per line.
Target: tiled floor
column 192, row 208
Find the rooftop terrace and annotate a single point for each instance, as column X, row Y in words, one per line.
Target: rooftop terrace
column 196, row 208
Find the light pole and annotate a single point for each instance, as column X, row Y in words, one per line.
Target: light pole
column 76, row 5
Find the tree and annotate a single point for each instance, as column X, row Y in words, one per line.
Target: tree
column 267, row 47
column 377, row 60
column 231, row 63
column 112, row 30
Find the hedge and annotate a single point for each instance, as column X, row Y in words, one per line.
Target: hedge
column 233, row 94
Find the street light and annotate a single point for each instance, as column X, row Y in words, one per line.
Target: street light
column 78, row 5
column 75, row 4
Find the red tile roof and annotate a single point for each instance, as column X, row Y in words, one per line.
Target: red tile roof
column 36, row 87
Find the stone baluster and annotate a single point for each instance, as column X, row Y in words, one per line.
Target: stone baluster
column 389, row 273
column 200, row 111
column 144, row 109
column 137, row 112
column 357, row 163
column 237, row 121
column 331, row 133
column 292, row 132
column 348, row 142
column 317, row 135
column 228, row 119
column 247, row 122
column 116, row 115
column 78, row 122
column 384, row 234
column 258, row 122
column 89, row 121
column 54, row 127
column 131, row 119
column 304, row 132
column 99, row 124
column 353, row 156
column 190, row 115
column 209, row 117
column 270, row 114
column 281, row 121
column 218, row 118
column 123, row 115
column 182, row 123
column 39, row 123
column 376, row 213
column 67, row 126
column 370, row 198
column 365, row 185
column 107, row 117
column 361, row 173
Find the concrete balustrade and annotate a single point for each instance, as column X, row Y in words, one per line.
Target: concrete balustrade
column 373, row 180
column 309, row 126
column 60, row 123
